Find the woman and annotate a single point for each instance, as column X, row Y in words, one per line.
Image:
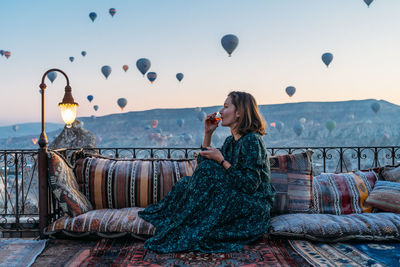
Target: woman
column 226, row 203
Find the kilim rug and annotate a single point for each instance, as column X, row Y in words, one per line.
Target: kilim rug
column 19, row 252
column 348, row 254
column 130, row 252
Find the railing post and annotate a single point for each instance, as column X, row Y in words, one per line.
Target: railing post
column 43, row 190
column 16, row 191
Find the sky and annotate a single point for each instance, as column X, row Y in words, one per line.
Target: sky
column 280, row 45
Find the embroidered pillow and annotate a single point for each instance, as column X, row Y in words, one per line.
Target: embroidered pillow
column 342, row 193
column 385, row 196
column 291, row 175
column 390, row 174
column 64, row 186
column 121, row 183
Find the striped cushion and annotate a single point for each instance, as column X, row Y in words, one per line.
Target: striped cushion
column 104, row 221
column 291, row 175
column 385, row 196
column 342, row 193
column 119, row 183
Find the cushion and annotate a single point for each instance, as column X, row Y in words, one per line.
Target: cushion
column 334, row 228
column 122, row 183
column 390, row 173
column 342, row 193
column 64, row 186
column 291, row 175
column 385, row 196
column 105, row 222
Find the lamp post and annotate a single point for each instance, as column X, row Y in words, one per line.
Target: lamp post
column 68, row 112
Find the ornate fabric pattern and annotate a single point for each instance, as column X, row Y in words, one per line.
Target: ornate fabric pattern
column 385, row 196
column 104, row 221
column 342, row 193
column 390, row 174
column 119, row 183
column 64, row 186
column 291, row 176
column 334, row 228
column 216, row 210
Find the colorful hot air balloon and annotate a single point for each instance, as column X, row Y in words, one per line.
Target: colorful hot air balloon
column 375, row 107
column 125, row 67
column 272, row 124
column 279, row 125
column 179, row 76
column 90, row 98
column 327, row 58
column 152, row 76
column 7, row 54
column 52, row 76
column 143, row 65
column 368, row 2
column 112, row 11
column 122, row 102
column 229, row 43
column 1, row 52
column 71, row 59
column 330, row 125
column 92, row 16
column 83, row 53
column 34, row 140
column 154, row 123
column 201, row 116
column 15, row 128
column 180, row 122
column 95, row 107
column 298, row 128
column 106, row 70
column 290, row 90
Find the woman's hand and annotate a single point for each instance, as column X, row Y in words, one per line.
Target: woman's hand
column 210, row 124
column 212, row 153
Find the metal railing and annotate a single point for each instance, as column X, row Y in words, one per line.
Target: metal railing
column 19, row 173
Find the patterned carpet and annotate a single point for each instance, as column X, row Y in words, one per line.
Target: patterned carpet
column 19, row 252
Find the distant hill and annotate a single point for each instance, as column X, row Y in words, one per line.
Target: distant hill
column 356, row 125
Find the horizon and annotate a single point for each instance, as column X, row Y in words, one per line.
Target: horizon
column 280, row 45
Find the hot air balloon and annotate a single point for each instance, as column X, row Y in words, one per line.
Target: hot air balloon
column 1, row 52
column 122, row 103
column 180, row 122
column 90, row 98
column 327, row 58
column 298, row 128
column 15, row 128
column 143, row 65
column 272, row 124
column 302, row 120
column 154, row 123
column 179, row 76
column 279, row 125
column 106, row 70
column 330, row 125
column 112, row 11
column 375, row 107
column 83, row 53
column 368, row 2
column 152, row 76
column 201, row 115
column 125, row 67
column 34, row 140
column 92, row 16
column 71, row 59
column 52, row 76
column 290, row 90
column 229, row 43
column 7, row 54
column 95, row 107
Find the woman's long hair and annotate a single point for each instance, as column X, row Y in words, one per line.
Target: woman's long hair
column 250, row 119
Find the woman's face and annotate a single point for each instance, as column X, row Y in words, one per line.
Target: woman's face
column 229, row 114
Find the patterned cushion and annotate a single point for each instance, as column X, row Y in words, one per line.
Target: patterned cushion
column 342, row 193
column 64, row 186
column 334, row 228
column 291, row 175
column 120, row 183
column 390, row 173
column 385, row 196
column 106, row 221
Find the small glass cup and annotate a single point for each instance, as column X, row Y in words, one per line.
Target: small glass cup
column 216, row 118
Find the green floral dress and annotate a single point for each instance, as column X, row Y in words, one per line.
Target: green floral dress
column 216, row 210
